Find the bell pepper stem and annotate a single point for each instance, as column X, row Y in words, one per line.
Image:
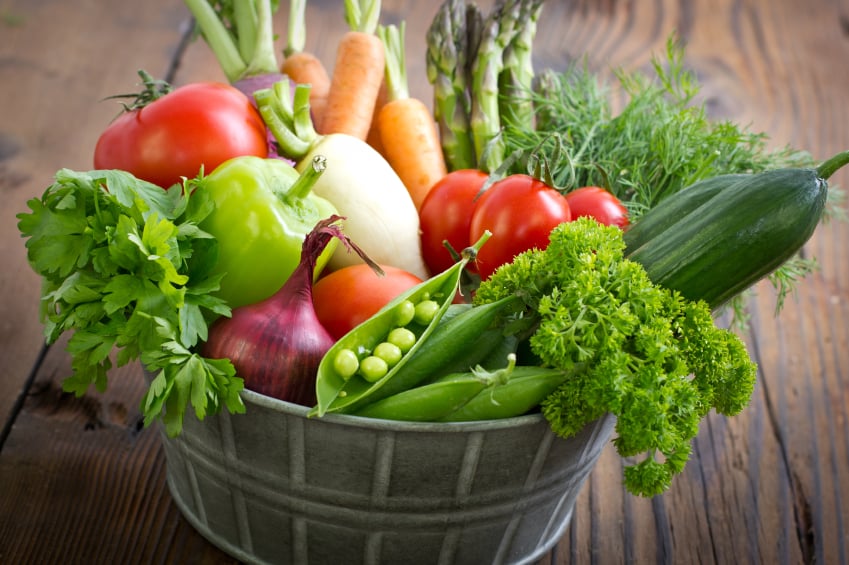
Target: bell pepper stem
column 303, row 186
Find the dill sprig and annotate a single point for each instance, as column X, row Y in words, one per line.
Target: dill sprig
column 658, row 143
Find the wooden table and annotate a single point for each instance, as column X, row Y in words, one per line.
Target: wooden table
column 82, row 481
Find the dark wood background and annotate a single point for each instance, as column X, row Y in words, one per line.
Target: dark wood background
column 81, row 480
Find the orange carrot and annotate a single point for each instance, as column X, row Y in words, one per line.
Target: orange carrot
column 357, row 73
column 373, row 137
column 301, row 66
column 407, row 128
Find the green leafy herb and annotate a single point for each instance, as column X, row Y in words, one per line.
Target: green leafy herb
column 658, row 143
column 639, row 351
column 126, row 268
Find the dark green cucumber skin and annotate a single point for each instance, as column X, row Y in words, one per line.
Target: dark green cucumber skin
column 727, row 244
column 673, row 208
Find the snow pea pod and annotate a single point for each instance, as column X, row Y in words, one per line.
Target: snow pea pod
column 343, row 391
column 488, row 350
column 438, row 399
column 448, row 343
column 430, row 402
column 524, row 389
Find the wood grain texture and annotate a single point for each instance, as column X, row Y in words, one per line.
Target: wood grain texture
column 58, row 61
column 82, row 482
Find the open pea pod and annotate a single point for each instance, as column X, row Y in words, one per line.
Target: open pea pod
column 338, row 391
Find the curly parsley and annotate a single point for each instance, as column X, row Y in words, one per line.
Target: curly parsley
column 127, row 268
column 636, row 350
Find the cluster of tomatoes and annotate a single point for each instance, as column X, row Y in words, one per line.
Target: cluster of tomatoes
column 519, row 210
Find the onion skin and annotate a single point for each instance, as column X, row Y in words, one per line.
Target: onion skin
column 277, row 344
column 249, row 85
column 264, row 356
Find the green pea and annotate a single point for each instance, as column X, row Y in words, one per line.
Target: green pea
column 425, row 311
column 402, row 338
column 435, row 296
column 346, row 363
column 404, row 313
column 389, row 352
column 373, row 368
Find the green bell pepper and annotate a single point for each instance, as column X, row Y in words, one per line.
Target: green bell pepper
column 263, row 210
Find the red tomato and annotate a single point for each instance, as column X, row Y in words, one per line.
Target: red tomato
column 345, row 298
column 446, row 214
column 520, row 211
column 599, row 204
column 198, row 124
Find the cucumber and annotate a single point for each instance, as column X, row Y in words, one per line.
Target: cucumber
column 674, row 207
column 724, row 245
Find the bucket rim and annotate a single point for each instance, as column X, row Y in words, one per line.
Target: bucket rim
column 349, row 420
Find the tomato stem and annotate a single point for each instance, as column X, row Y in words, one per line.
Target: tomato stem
column 153, row 89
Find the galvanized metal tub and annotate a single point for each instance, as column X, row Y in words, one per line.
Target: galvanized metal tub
column 274, row 486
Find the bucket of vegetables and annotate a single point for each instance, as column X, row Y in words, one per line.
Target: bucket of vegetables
column 276, row 486
column 393, row 446
column 458, row 420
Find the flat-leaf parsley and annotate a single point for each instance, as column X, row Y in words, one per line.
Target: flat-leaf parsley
column 125, row 267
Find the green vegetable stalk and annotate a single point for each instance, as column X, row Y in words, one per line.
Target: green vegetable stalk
column 632, row 347
column 481, row 70
column 498, row 31
column 515, row 82
column 451, row 44
column 128, row 268
column 240, row 34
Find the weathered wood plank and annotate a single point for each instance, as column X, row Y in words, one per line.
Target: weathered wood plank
column 58, row 60
column 768, row 486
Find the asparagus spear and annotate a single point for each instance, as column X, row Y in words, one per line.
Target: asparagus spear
column 499, row 29
column 516, row 80
column 450, row 41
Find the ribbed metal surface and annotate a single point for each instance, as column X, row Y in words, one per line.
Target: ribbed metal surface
column 273, row 486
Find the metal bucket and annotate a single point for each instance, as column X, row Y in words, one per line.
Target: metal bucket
column 273, row 486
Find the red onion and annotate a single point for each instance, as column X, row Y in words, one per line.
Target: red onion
column 249, row 85
column 276, row 345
